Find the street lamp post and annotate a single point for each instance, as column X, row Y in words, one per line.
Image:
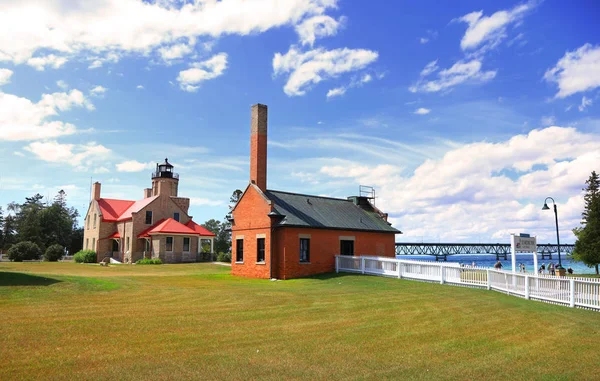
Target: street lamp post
column 545, row 207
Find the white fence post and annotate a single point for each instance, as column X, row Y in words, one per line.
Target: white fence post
column 362, row 264
column 572, row 298
column 442, row 273
column 489, row 280
column 399, row 265
column 337, row 264
column 526, row 286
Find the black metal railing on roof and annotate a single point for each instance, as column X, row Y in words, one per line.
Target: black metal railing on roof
column 165, row 175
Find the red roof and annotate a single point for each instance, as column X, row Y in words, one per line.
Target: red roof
column 113, row 235
column 145, row 234
column 112, row 209
column 136, row 207
column 168, row 226
column 199, row 229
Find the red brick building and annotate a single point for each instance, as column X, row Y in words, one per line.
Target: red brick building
column 157, row 226
column 287, row 235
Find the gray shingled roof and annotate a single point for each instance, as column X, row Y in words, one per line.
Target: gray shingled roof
column 325, row 212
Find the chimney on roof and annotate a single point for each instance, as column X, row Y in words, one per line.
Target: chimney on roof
column 258, row 146
column 96, row 191
column 147, row 192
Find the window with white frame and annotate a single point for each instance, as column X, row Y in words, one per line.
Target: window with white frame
column 169, row 244
column 186, row 244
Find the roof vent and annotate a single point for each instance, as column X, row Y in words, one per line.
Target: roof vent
column 308, row 201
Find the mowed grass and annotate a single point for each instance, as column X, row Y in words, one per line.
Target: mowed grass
column 87, row 322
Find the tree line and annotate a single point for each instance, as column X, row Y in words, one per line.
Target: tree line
column 44, row 224
column 587, row 246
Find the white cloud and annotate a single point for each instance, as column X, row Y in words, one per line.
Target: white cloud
column 98, row 91
column 429, row 68
column 460, row 72
column 5, row 75
column 176, row 51
column 139, row 87
column 21, row 119
column 486, row 189
column 356, row 82
column 549, row 120
column 95, row 29
column 40, row 63
column 576, row 71
column 190, row 79
column 338, row 91
column 313, row 66
column 318, row 26
column 95, row 64
column 424, row 40
column 81, row 156
column 133, row 166
column 62, row 84
column 585, row 102
column 422, row 111
column 491, row 29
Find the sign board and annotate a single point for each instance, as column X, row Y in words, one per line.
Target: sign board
column 525, row 244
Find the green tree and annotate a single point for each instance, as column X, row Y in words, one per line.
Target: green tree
column 27, row 219
column 591, row 194
column 58, row 222
column 587, row 246
column 222, row 235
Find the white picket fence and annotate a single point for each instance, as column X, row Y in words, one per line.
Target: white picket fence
column 569, row 291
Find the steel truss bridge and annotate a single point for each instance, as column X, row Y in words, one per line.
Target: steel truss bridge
column 501, row 250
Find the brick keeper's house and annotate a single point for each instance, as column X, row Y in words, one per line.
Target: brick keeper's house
column 287, row 235
column 157, row 226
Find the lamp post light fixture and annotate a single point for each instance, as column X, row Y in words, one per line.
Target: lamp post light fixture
column 545, row 207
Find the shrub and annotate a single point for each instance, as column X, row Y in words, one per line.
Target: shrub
column 54, row 253
column 85, row 256
column 148, row 261
column 224, row 257
column 24, row 251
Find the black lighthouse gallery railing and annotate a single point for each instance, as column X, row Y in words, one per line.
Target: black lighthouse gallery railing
column 501, row 250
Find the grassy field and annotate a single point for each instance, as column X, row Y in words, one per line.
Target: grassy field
column 86, row 322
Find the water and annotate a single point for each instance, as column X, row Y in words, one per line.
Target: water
column 488, row 260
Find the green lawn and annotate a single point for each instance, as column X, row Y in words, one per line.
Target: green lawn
column 71, row 321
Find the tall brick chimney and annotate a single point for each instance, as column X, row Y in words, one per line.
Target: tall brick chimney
column 96, row 191
column 258, row 146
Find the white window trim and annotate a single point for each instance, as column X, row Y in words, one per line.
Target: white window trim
column 347, row 238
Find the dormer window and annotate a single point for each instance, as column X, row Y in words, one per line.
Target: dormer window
column 176, row 216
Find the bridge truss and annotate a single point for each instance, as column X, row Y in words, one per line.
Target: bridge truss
column 501, row 250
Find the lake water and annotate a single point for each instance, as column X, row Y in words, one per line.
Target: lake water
column 488, row 260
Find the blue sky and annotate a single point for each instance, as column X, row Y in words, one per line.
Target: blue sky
column 463, row 116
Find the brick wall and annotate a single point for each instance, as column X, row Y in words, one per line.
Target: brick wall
column 250, row 220
column 324, row 245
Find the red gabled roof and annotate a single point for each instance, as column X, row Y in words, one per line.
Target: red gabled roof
column 112, row 209
column 168, row 226
column 136, row 207
column 199, row 229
